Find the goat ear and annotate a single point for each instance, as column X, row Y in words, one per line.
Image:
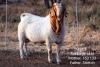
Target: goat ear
column 60, row 1
column 56, row 26
column 52, row 13
column 65, row 11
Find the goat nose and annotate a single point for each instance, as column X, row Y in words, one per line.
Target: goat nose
column 58, row 19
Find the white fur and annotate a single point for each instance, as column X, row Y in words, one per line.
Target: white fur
column 38, row 29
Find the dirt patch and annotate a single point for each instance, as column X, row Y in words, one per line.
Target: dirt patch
column 37, row 59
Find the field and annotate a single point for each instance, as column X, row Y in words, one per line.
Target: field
column 89, row 35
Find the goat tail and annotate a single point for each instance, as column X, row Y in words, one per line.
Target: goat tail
column 22, row 15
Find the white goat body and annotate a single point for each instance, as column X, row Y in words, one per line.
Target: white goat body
column 39, row 29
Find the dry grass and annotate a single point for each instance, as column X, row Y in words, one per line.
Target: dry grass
column 86, row 11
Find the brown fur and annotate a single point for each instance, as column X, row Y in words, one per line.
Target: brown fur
column 55, row 25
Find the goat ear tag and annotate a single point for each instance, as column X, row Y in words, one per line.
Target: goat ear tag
column 66, row 14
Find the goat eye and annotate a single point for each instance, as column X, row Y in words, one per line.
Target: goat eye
column 50, row 12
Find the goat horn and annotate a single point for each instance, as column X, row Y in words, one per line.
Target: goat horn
column 59, row 1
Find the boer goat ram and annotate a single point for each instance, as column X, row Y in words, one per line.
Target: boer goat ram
column 49, row 29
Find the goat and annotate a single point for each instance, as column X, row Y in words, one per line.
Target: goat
column 50, row 29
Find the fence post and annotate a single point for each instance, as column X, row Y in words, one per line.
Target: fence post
column 76, row 23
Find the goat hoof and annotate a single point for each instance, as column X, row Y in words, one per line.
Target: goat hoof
column 28, row 55
column 22, row 58
column 50, row 62
column 58, row 62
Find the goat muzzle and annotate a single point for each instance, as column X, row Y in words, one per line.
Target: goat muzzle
column 59, row 18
